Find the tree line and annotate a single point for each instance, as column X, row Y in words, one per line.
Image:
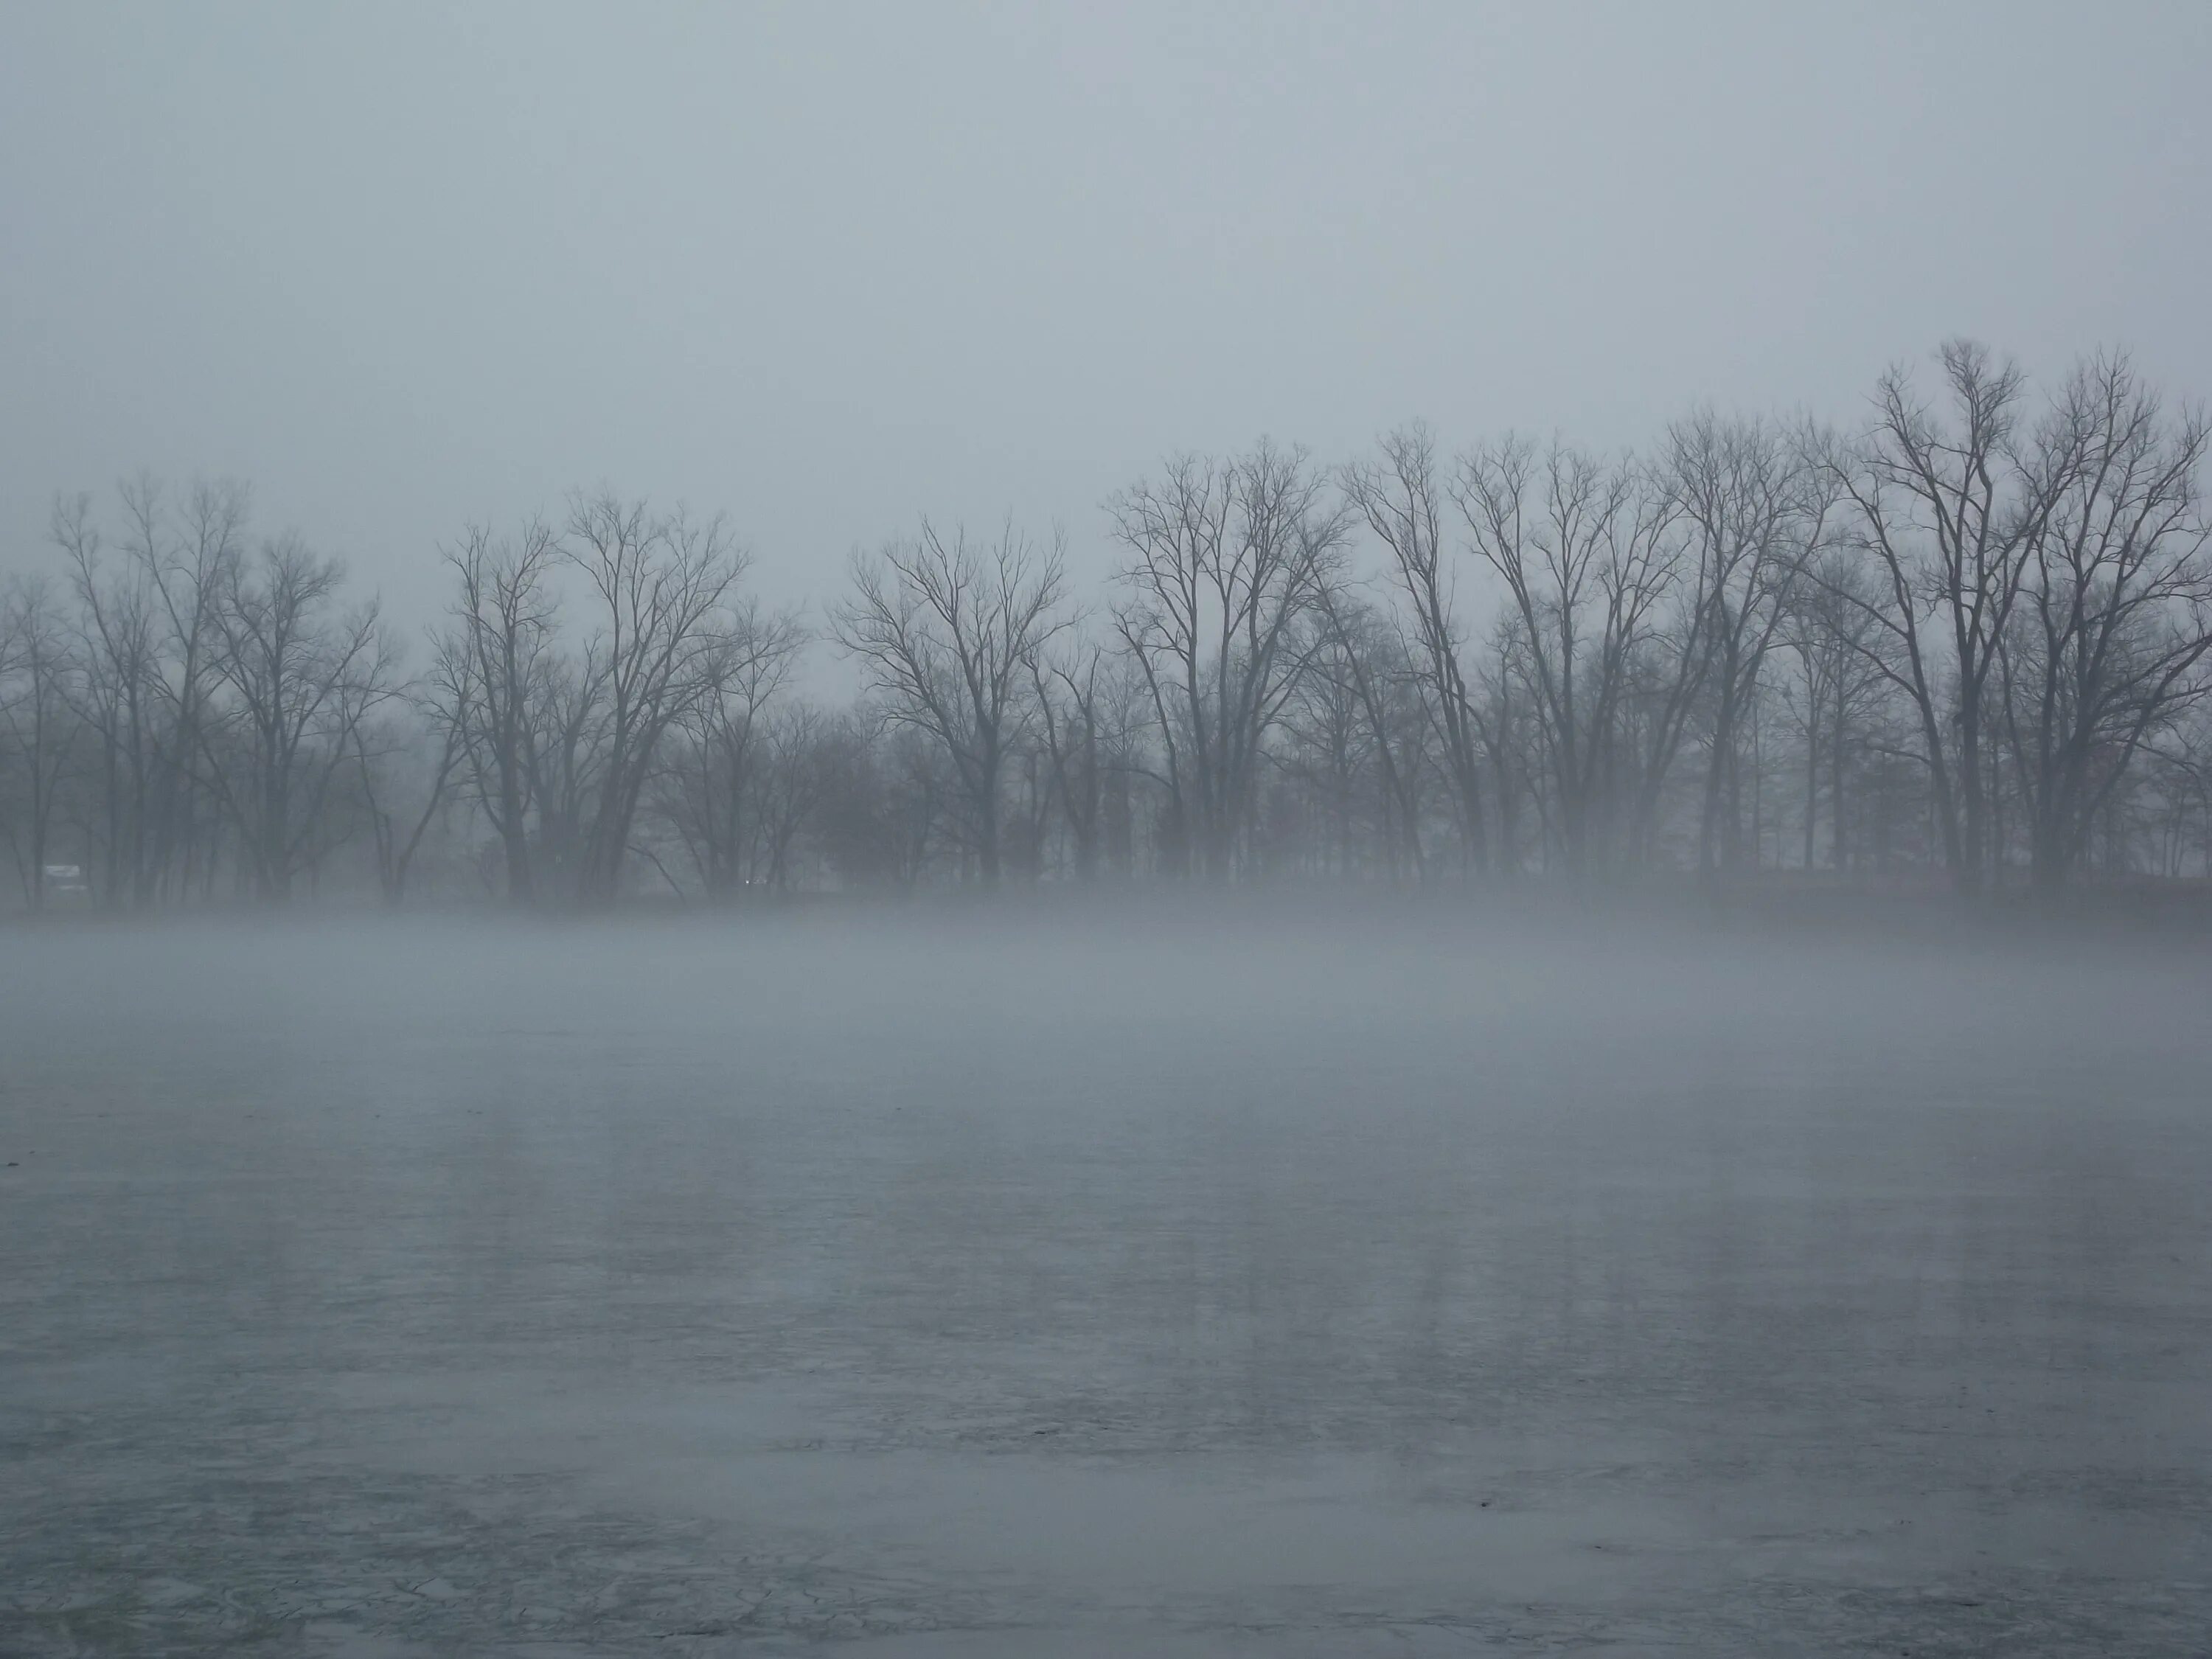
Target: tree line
column 1965, row 640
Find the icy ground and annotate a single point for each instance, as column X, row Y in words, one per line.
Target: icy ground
column 709, row 1288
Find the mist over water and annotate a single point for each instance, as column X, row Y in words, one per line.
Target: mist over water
column 1012, row 1284
column 1105, row 832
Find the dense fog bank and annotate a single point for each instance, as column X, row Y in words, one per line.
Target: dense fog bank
column 1019, row 972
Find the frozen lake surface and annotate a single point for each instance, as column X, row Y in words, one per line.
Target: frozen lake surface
column 939, row 1290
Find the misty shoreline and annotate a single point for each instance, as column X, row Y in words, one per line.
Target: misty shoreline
column 2176, row 911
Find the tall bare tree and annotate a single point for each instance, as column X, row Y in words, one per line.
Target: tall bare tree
column 2115, row 615
column 662, row 585
column 1587, row 551
column 1756, row 503
column 487, row 678
column 190, row 567
column 1834, row 638
column 1401, row 497
column 1947, row 509
column 945, row 632
column 1227, row 560
column 1362, row 657
column 301, row 676
column 149, row 644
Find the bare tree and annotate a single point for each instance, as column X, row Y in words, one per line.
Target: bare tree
column 489, row 668
column 1834, row 638
column 1401, row 498
column 662, row 585
column 2115, row 617
column 1074, row 711
column 1588, row 550
column 1756, row 504
column 148, row 650
column 715, row 791
column 1226, row 562
column 189, row 570
column 301, row 679
column 567, row 754
column 1510, row 739
column 378, row 752
column 793, row 782
column 1946, row 511
column 945, row 633
column 1361, row 657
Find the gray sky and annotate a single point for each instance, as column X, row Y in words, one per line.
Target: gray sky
column 831, row 266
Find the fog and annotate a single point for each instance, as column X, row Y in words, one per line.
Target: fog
column 1197, row 1281
column 1109, row 830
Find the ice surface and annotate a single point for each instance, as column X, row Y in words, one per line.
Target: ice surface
column 956, row 1288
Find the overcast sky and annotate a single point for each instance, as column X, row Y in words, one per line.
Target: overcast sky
column 830, row 267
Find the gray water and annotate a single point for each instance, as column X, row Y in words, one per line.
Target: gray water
column 946, row 1289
